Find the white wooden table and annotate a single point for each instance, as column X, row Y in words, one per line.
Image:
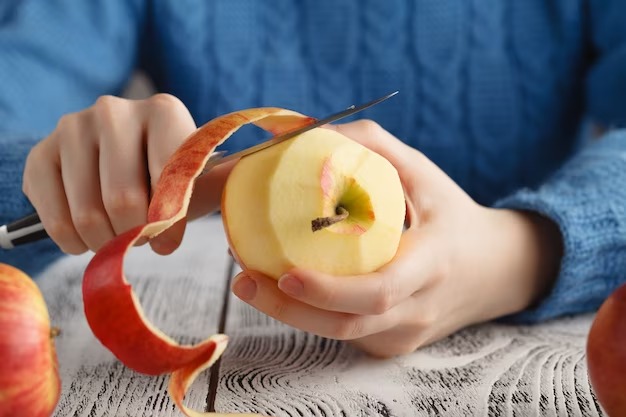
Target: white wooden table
column 488, row 370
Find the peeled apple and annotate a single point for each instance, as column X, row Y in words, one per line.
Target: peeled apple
column 317, row 201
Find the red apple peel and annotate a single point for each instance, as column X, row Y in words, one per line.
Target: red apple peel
column 113, row 311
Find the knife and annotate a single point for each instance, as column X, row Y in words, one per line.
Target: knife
column 29, row 229
column 220, row 159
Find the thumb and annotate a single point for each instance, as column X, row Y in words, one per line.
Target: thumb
column 208, row 189
column 205, row 199
column 169, row 240
column 168, row 124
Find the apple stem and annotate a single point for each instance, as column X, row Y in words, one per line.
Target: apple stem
column 323, row 222
column 54, row 332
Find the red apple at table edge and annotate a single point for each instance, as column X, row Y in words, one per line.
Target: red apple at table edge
column 29, row 379
column 606, row 354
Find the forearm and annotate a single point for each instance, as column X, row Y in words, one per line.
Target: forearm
column 586, row 200
column 522, row 258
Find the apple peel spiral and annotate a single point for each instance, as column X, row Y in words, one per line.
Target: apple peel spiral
column 114, row 313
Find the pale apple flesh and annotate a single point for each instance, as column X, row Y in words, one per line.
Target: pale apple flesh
column 272, row 197
column 29, row 379
column 111, row 308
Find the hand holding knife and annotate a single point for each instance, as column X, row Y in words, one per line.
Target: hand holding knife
column 30, row 229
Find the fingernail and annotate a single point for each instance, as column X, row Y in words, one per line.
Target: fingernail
column 291, row 285
column 244, row 287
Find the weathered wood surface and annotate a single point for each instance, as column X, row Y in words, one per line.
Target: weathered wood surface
column 488, row 370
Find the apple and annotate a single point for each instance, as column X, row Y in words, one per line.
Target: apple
column 606, row 354
column 319, row 201
column 29, row 379
column 113, row 312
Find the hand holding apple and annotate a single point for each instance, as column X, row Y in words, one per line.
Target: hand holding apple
column 458, row 263
column 29, row 380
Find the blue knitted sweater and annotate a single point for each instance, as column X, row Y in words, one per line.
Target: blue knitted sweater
column 494, row 91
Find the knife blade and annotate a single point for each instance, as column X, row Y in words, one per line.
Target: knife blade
column 288, row 135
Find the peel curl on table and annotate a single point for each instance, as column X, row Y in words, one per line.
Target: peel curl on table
column 113, row 311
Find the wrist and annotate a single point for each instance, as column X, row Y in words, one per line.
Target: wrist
column 529, row 248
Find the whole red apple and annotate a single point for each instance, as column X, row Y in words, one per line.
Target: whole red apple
column 606, row 354
column 29, row 379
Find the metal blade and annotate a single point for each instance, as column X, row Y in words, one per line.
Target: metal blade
column 281, row 138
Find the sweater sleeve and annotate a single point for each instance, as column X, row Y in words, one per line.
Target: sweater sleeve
column 586, row 198
column 57, row 57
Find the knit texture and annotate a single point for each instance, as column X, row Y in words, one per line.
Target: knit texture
column 587, row 199
column 493, row 91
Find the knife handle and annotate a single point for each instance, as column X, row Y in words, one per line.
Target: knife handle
column 25, row 230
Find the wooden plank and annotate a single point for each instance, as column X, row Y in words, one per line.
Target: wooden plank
column 487, row 370
column 182, row 294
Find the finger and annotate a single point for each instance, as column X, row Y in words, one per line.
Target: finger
column 44, row 188
column 261, row 292
column 414, row 266
column 424, row 182
column 122, row 162
column 170, row 239
column 371, row 135
column 81, row 180
column 169, row 123
column 413, row 167
column 425, row 321
column 207, row 193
